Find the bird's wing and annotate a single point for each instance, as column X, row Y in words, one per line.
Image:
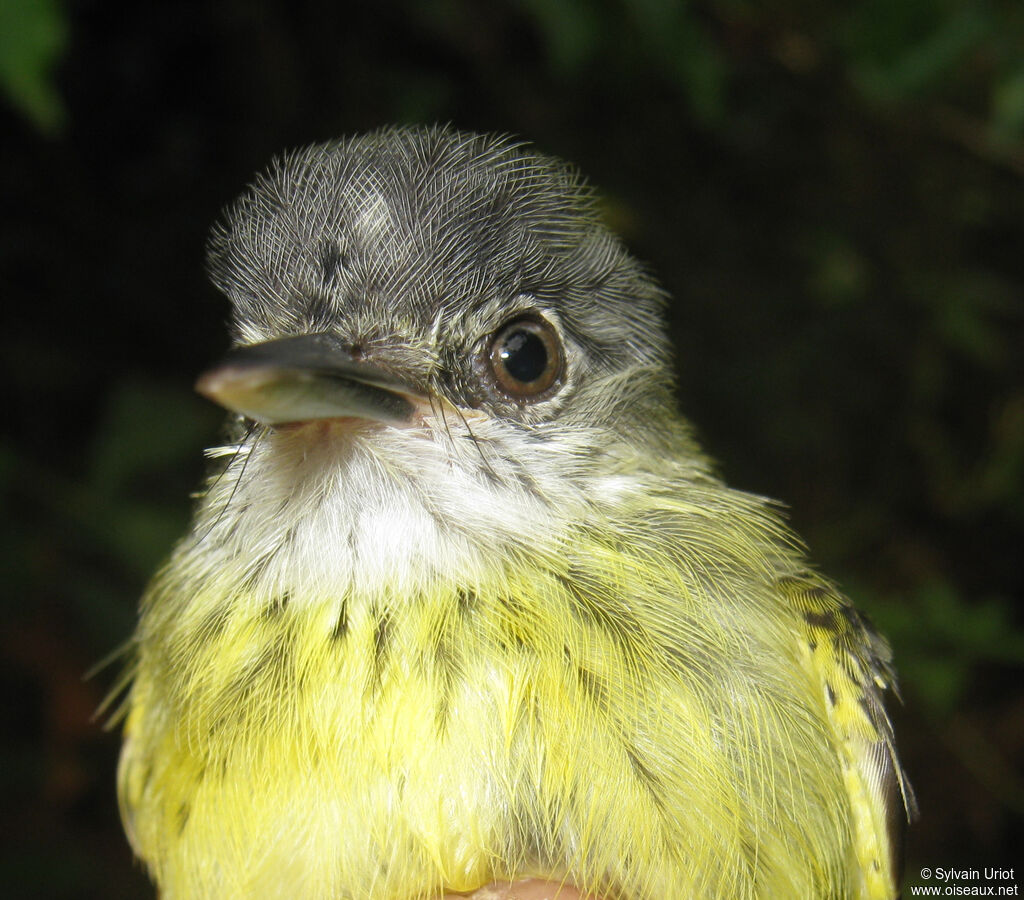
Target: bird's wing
column 854, row 665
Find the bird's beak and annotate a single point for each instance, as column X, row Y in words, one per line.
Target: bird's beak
column 307, row 378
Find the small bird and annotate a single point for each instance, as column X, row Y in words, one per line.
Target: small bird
column 463, row 601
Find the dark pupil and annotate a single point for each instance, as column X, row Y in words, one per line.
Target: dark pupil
column 525, row 356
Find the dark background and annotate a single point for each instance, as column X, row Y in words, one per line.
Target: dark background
column 832, row 192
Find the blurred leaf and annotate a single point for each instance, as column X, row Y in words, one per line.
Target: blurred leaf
column 901, row 50
column 33, row 36
column 664, row 37
column 969, row 310
column 1008, row 107
column 571, row 30
column 149, row 431
column 140, row 536
column 683, row 51
column 148, row 428
column 942, row 638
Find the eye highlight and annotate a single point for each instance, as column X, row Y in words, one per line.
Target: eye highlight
column 526, row 358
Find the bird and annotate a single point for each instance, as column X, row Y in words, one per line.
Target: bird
column 463, row 600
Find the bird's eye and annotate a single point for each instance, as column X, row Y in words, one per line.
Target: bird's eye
column 526, row 358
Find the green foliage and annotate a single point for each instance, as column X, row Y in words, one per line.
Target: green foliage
column 895, row 55
column 902, row 51
column 944, row 639
column 148, row 431
column 113, row 523
column 581, row 37
column 33, row 38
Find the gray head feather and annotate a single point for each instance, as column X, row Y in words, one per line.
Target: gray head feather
column 415, row 245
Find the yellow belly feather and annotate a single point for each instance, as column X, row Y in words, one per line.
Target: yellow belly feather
column 587, row 713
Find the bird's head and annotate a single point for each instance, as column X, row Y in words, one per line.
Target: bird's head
column 433, row 327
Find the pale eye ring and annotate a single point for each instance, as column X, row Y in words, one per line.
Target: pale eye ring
column 526, row 358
